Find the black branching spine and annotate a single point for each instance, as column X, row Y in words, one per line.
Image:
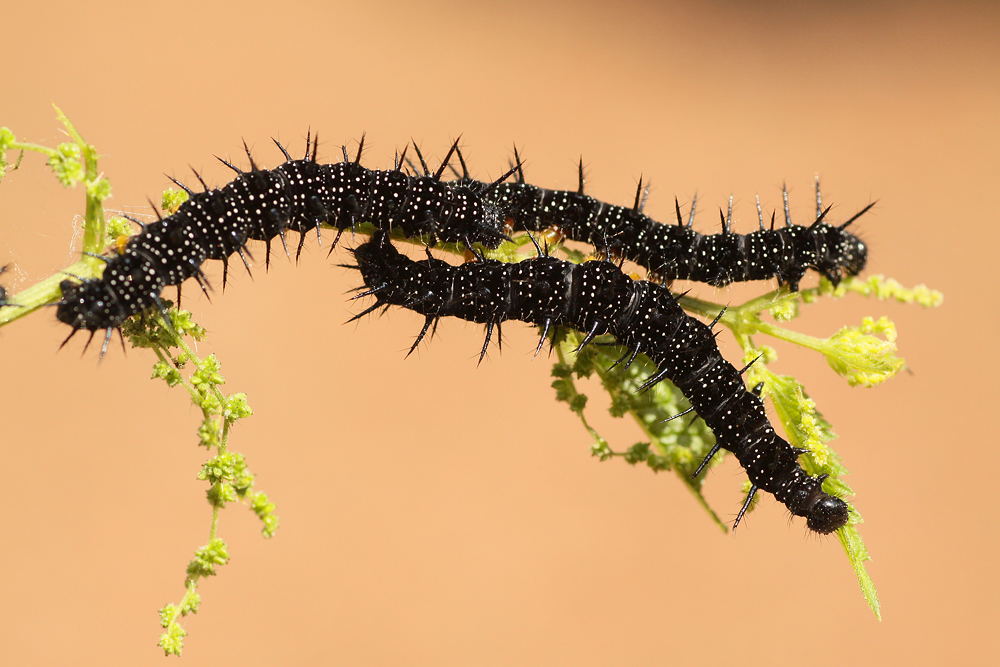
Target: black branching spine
column 261, row 204
column 675, row 252
column 596, row 298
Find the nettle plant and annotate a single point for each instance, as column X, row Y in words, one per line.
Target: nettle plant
column 116, row 285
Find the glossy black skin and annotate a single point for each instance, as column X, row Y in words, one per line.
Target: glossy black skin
column 597, row 298
column 299, row 195
column 676, row 252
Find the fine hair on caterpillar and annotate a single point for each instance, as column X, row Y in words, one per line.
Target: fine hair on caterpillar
column 596, row 298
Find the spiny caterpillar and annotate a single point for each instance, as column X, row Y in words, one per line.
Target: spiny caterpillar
column 674, row 252
column 261, row 204
column 596, row 298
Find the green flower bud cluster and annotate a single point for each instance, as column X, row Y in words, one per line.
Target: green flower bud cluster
column 172, row 641
column 877, row 286
column 227, row 474
column 229, row 478
column 203, row 565
column 67, row 164
column 172, row 200
column 206, row 558
column 6, row 143
column 117, row 226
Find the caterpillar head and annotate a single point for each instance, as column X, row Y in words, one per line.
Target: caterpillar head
column 86, row 305
column 853, row 253
column 827, row 515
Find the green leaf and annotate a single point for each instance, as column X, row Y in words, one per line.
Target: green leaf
column 857, row 354
column 67, row 163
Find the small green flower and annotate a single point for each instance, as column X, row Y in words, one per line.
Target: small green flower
column 185, row 325
column 219, row 495
column 168, row 613
column 172, row 641
column 883, row 289
column 264, row 509
column 209, row 402
column 601, row 449
column 621, row 404
column 560, row 370
column 206, row 558
column 785, row 310
column 117, row 226
column 172, row 200
column 243, row 482
column 236, row 407
column 99, row 188
column 167, row 372
column 191, row 602
column 767, row 354
column 67, row 163
column 208, row 434
column 6, row 141
column 637, row 453
column 584, row 365
column 207, row 375
column 222, row 468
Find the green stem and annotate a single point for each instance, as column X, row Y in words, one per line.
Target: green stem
column 813, row 343
column 744, row 321
column 93, row 225
column 24, row 146
column 708, row 310
column 47, row 291
column 215, row 523
column 224, row 440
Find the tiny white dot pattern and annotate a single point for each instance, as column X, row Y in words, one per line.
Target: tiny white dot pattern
column 259, row 205
column 677, row 252
column 597, row 298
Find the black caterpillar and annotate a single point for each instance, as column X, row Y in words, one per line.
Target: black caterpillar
column 596, row 298
column 299, row 195
column 673, row 252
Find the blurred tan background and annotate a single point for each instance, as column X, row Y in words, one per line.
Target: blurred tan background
column 436, row 513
